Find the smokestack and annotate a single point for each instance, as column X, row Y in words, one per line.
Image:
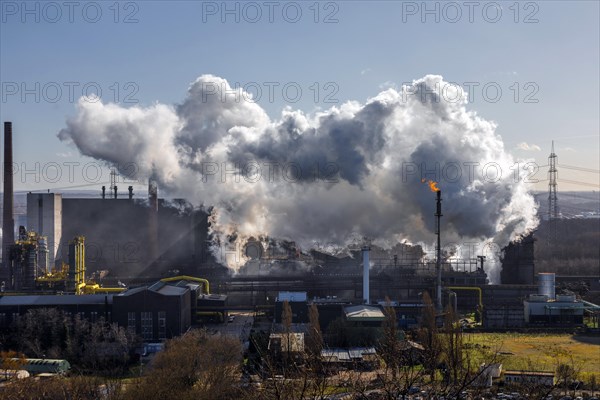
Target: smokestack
column 130, row 189
column 8, row 222
column 365, row 251
column 438, row 257
column 115, row 189
column 153, row 219
column 103, row 192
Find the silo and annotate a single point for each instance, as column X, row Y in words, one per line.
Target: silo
column 546, row 284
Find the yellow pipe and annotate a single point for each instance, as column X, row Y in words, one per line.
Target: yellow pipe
column 80, row 288
column 95, row 288
column 477, row 289
column 188, row 278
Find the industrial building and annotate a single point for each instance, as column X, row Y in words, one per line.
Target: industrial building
column 155, row 312
column 564, row 310
column 91, row 307
column 547, row 308
column 529, row 377
column 101, row 245
column 123, row 236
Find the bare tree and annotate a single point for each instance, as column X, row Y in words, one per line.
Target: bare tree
column 429, row 338
column 193, row 366
column 389, row 345
column 286, row 316
column 89, row 346
column 452, row 346
column 60, row 388
column 315, row 337
column 566, row 374
column 11, row 361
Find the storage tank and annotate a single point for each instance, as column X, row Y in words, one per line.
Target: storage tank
column 546, row 284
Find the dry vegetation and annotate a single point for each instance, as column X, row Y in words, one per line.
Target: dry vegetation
column 542, row 351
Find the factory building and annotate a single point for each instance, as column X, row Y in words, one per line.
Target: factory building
column 91, row 307
column 363, row 324
column 155, row 312
column 564, row 310
column 547, row 308
column 126, row 238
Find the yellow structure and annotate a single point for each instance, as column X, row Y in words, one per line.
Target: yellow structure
column 55, row 277
column 477, row 289
column 71, row 276
column 94, row 288
column 76, row 263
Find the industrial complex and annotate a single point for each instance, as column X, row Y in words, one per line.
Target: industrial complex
column 144, row 263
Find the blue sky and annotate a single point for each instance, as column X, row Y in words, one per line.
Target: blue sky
column 366, row 47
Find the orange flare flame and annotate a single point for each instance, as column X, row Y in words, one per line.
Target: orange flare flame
column 432, row 185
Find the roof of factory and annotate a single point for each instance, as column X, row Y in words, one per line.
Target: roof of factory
column 51, row 300
column 158, row 287
column 169, row 290
column 363, row 313
column 346, row 355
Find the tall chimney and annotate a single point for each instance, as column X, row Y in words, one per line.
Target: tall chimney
column 8, row 222
column 366, row 265
column 438, row 257
column 153, row 219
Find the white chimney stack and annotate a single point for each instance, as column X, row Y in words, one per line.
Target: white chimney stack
column 365, row 252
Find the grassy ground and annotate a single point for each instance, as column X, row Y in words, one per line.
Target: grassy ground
column 542, row 352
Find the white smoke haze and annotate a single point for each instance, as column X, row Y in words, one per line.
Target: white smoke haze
column 351, row 170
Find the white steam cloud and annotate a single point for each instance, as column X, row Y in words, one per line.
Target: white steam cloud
column 318, row 179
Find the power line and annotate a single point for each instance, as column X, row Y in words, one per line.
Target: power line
column 582, row 169
column 594, row 185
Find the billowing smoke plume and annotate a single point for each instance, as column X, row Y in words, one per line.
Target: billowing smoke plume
column 317, row 179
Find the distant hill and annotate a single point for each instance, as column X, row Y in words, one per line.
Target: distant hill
column 570, row 204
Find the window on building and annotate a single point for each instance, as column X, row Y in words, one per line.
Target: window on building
column 93, row 316
column 147, row 325
column 162, row 325
column 131, row 322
